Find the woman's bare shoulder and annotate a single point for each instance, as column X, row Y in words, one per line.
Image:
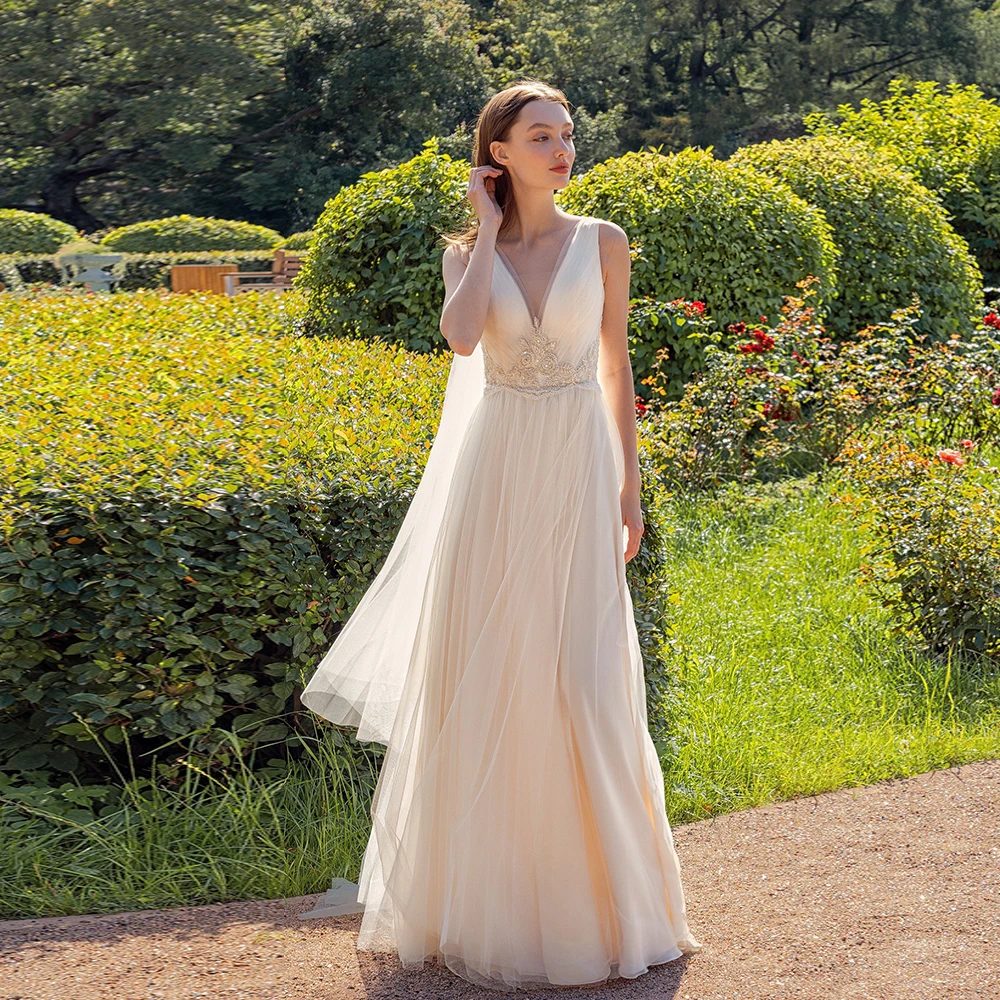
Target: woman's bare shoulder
column 612, row 244
column 609, row 232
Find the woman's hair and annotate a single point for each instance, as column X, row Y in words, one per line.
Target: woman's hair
column 493, row 125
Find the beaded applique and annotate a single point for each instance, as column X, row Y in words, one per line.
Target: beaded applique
column 538, row 371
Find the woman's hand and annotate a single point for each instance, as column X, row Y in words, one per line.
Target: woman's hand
column 481, row 193
column 632, row 519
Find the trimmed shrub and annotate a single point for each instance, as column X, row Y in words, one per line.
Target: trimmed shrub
column 709, row 230
column 893, row 234
column 179, row 233
column 373, row 270
column 949, row 139
column 297, row 241
column 32, row 232
column 182, row 544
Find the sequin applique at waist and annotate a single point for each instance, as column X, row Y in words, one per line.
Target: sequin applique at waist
column 538, row 370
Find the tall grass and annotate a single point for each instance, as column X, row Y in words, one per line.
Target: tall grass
column 253, row 836
column 790, row 683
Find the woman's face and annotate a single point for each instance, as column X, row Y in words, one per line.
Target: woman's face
column 540, row 150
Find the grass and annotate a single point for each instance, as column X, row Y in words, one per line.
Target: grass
column 791, row 683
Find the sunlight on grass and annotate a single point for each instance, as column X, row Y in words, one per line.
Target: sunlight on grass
column 792, row 682
column 255, row 836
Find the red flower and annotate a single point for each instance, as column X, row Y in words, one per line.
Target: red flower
column 967, row 444
column 738, row 328
column 996, row 398
column 992, row 319
column 798, row 357
column 763, row 319
column 640, row 406
column 763, row 342
column 698, row 307
column 950, row 456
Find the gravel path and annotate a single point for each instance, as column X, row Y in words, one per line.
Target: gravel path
column 883, row 892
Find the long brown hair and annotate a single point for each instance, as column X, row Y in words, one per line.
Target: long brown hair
column 493, row 125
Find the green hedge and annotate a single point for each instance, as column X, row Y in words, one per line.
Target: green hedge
column 297, row 241
column 893, row 234
column 190, row 233
column 706, row 230
column 948, row 137
column 32, row 232
column 182, row 544
column 375, row 267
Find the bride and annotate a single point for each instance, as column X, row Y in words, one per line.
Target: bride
column 519, row 831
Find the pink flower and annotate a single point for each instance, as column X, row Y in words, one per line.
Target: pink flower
column 950, row 456
column 967, row 444
column 996, row 397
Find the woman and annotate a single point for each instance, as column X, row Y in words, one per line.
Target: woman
column 519, row 829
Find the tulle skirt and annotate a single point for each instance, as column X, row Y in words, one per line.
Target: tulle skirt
column 519, row 833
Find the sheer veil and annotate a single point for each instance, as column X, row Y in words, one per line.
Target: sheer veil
column 359, row 680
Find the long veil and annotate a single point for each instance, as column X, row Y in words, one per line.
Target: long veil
column 359, row 680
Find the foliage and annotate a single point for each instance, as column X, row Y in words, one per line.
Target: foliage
column 32, row 232
column 894, row 237
column 214, row 499
column 949, row 138
column 782, row 399
column 933, row 516
column 708, row 230
column 265, row 112
column 371, row 272
column 297, row 241
column 190, row 233
column 130, row 107
column 660, row 336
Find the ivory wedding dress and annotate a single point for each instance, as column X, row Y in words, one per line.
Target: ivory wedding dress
column 519, row 831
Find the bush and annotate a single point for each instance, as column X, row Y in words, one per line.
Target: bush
column 181, row 545
column 180, row 564
column 32, row 232
column 949, row 140
column 934, row 522
column 893, row 235
column 180, row 233
column 372, row 270
column 297, row 241
column 780, row 399
column 709, row 230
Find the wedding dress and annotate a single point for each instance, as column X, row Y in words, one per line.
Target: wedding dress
column 519, row 831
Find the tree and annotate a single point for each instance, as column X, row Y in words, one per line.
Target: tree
column 93, row 89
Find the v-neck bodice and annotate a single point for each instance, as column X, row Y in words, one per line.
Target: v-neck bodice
column 557, row 347
column 537, row 315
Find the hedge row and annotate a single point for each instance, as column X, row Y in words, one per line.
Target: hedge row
column 736, row 235
column 182, row 544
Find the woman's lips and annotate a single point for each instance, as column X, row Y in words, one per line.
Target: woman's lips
column 560, row 170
